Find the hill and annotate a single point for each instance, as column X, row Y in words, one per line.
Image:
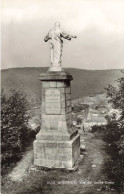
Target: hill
column 85, row 82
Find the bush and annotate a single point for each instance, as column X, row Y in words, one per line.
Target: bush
column 99, row 129
column 114, row 171
column 113, row 135
column 33, row 133
column 14, row 126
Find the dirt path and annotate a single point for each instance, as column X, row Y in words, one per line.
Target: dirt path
column 22, row 167
column 88, row 179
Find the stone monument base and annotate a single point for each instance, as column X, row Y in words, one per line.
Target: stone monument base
column 57, row 144
column 52, row 154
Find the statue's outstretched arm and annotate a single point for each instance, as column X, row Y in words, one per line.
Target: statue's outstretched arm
column 47, row 37
column 67, row 36
column 73, row 36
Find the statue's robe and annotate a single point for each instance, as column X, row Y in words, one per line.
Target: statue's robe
column 56, row 44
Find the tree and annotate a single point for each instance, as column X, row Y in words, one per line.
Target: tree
column 116, row 95
column 114, row 135
column 14, row 125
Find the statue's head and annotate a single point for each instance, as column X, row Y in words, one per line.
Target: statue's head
column 57, row 25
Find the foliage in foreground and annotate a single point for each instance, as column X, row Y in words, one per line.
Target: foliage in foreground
column 14, row 126
column 113, row 135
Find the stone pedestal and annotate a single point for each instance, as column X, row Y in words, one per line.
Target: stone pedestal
column 57, row 145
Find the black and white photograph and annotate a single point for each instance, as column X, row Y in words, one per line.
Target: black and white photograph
column 62, row 96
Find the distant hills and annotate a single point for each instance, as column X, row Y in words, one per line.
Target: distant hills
column 85, row 82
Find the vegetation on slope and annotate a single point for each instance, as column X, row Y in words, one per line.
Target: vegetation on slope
column 113, row 136
column 85, row 82
column 15, row 133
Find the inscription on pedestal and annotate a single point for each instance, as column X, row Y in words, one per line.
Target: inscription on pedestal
column 52, row 101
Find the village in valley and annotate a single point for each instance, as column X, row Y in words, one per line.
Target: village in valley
column 91, row 110
column 86, row 112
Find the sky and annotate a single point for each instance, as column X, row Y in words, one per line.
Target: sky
column 98, row 24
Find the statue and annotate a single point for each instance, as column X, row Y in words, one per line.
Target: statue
column 55, row 36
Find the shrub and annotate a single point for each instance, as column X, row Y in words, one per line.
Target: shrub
column 113, row 135
column 14, row 126
column 97, row 128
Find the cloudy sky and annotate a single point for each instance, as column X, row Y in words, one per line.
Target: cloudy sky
column 98, row 24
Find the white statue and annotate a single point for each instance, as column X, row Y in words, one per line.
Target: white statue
column 55, row 36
